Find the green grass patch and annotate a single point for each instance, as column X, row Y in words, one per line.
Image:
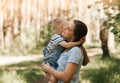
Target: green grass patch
column 24, row 72
column 97, row 71
column 101, row 71
column 11, row 77
column 92, row 46
column 31, row 75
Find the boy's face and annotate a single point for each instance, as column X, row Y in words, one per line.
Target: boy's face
column 64, row 25
column 60, row 28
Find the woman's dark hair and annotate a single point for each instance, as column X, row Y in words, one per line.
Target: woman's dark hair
column 80, row 31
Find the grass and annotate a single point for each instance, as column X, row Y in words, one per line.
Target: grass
column 31, row 75
column 101, row 71
column 25, row 72
column 89, row 47
column 97, row 71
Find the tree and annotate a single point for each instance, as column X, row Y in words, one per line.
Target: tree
column 100, row 16
column 112, row 11
column 104, row 41
column 113, row 21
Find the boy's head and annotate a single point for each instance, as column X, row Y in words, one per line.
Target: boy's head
column 59, row 25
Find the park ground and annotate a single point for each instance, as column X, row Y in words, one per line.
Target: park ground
column 26, row 69
column 6, row 60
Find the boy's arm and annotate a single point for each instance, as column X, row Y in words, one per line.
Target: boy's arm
column 69, row 44
column 72, row 44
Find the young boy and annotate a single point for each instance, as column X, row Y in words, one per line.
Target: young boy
column 57, row 44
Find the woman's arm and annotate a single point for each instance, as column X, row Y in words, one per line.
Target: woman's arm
column 65, row 75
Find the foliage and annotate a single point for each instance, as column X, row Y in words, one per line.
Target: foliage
column 113, row 21
column 109, row 16
column 46, row 33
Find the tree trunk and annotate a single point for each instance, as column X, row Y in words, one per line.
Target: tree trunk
column 8, row 37
column 1, row 29
column 23, row 25
column 111, row 41
column 38, row 22
column 104, row 41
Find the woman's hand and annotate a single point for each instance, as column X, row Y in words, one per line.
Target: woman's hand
column 82, row 40
column 45, row 68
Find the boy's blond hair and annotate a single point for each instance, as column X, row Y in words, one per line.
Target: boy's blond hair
column 59, row 21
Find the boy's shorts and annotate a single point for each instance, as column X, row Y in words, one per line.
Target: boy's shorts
column 52, row 63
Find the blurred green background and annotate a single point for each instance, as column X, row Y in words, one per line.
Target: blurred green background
column 26, row 27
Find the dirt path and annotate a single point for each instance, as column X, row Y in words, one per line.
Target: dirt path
column 5, row 60
column 93, row 52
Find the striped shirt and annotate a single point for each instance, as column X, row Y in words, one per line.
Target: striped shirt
column 54, row 41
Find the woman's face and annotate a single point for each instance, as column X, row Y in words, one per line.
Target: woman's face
column 68, row 33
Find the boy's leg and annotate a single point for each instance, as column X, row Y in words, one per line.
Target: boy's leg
column 53, row 79
column 49, row 81
column 47, row 77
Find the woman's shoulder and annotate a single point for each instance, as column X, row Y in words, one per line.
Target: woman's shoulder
column 75, row 48
column 75, row 55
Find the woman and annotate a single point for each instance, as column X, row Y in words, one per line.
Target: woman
column 70, row 60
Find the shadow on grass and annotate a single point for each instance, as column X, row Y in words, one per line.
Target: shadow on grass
column 31, row 75
column 108, row 71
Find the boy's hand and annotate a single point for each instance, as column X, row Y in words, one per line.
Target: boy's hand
column 47, row 63
column 82, row 40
